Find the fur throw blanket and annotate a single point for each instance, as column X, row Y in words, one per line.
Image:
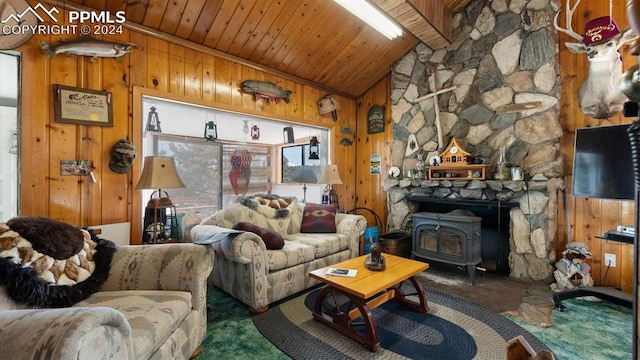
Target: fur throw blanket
column 269, row 205
column 47, row 263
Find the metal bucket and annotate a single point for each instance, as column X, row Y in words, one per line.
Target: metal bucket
column 396, row 243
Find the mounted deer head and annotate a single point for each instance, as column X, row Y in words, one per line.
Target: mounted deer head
column 599, row 95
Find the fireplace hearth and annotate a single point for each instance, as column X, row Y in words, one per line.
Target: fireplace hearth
column 452, row 238
column 494, row 226
column 518, row 218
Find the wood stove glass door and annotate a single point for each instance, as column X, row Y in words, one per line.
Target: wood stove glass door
column 441, row 240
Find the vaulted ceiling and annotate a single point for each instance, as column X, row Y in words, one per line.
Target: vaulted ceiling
column 314, row 40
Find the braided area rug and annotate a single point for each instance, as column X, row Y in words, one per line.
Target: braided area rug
column 454, row 328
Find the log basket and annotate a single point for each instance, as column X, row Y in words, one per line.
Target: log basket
column 394, row 243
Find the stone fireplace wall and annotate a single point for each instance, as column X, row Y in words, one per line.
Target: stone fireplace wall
column 503, row 53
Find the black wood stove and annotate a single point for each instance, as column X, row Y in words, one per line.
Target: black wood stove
column 452, row 238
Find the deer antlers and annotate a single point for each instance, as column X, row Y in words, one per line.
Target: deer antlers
column 568, row 17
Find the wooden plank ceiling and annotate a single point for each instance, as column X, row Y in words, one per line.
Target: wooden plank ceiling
column 314, row 40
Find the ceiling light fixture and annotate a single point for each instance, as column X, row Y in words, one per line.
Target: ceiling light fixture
column 372, row 16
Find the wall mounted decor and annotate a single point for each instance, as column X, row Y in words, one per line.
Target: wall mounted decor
column 519, row 107
column 374, row 164
column 599, row 96
column 240, row 174
column 75, row 167
column 255, row 132
column 245, row 127
column 375, row 119
column 87, row 46
column 153, row 121
column 267, row 90
column 436, row 106
column 13, row 40
column 346, row 141
column 412, row 145
column 287, row 135
column 327, row 104
column 210, row 131
column 123, row 155
column 82, row 106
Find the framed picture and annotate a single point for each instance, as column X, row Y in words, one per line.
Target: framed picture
column 374, row 164
column 375, row 119
column 75, row 167
column 82, row 106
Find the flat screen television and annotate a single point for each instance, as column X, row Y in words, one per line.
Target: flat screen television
column 602, row 165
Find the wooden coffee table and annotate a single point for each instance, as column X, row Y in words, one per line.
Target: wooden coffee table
column 365, row 292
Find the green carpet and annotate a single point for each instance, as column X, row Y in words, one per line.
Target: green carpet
column 231, row 333
column 602, row 331
column 594, row 330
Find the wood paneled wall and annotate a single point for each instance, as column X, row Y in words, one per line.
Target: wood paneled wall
column 156, row 67
column 582, row 219
column 369, row 187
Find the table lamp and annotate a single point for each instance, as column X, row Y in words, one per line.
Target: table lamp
column 305, row 175
column 159, row 173
column 330, row 176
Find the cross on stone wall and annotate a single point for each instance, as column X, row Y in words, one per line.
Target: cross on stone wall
column 434, row 95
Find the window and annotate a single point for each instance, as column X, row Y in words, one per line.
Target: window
column 9, row 135
column 295, row 156
column 199, row 165
column 216, row 173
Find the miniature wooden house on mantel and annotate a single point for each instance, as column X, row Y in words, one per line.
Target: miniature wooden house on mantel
column 454, row 163
column 454, row 154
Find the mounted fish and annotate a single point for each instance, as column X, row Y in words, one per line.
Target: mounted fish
column 267, row 90
column 87, row 46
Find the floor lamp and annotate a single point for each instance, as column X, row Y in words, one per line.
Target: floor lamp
column 305, row 175
column 330, row 176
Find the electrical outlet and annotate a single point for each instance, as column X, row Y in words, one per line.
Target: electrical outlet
column 610, row 260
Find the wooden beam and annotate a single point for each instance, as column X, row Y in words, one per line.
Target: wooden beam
column 428, row 20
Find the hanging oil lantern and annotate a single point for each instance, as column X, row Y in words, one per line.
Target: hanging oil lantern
column 153, row 122
column 314, row 150
column 210, row 131
column 255, row 132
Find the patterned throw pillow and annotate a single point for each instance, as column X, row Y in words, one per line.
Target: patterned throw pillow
column 186, row 222
column 272, row 240
column 48, row 263
column 318, row 218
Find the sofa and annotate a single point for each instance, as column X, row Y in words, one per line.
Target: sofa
column 258, row 276
column 151, row 306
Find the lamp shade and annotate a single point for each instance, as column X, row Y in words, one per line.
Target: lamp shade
column 305, row 174
column 330, row 175
column 159, row 173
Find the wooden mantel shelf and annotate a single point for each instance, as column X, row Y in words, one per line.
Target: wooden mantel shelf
column 461, row 171
column 465, row 202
